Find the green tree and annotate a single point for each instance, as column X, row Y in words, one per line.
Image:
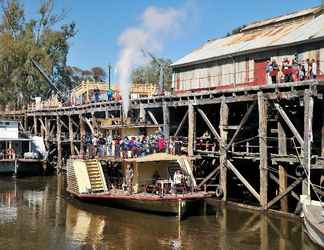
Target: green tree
column 150, row 73
column 37, row 38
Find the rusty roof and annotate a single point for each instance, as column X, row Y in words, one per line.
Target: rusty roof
column 303, row 26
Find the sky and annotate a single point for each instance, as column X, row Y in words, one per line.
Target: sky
column 101, row 22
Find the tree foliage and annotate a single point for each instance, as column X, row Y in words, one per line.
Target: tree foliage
column 38, row 38
column 150, row 73
column 78, row 75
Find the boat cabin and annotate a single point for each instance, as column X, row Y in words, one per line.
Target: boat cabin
column 157, row 173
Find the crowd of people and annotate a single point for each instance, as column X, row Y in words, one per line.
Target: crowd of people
column 130, row 146
column 291, row 70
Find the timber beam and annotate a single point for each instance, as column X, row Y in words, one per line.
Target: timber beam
column 210, row 125
column 289, row 123
column 283, row 194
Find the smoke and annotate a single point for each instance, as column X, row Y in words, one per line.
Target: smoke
column 155, row 26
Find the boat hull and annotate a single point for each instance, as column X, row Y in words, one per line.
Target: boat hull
column 22, row 167
column 179, row 206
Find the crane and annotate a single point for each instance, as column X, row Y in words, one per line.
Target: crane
column 62, row 96
column 161, row 66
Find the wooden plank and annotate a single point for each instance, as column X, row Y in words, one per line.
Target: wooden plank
column 205, row 180
column 287, row 191
column 191, row 130
column 289, row 123
column 223, row 122
column 181, row 124
column 282, row 150
column 242, row 123
column 263, row 128
column 243, row 180
column 209, row 124
column 152, row 117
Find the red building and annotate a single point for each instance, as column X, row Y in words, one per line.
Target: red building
column 240, row 59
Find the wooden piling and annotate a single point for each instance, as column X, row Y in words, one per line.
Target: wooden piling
column 71, row 135
column 82, row 134
column 223, row 152
column 59, row 144
column 282, row 150
column 191, row 129
column 263, row 116
column 308, row 135
column 166, row 120
column 35, row 125
column 142, row 114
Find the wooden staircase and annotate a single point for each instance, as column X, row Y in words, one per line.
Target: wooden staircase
column 96, row 176
column 71, row 178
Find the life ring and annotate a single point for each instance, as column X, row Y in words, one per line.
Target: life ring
column 299, row 171
column 219, row 191
column 10, row 152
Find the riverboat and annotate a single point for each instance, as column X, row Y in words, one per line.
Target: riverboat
column 20, row 154
column 152, row 187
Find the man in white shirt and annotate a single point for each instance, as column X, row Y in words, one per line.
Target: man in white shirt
column 314, row 69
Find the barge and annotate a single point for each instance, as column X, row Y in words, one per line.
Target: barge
column 150, row 187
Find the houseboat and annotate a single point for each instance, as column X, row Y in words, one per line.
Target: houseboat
column 20, row 154
column 158, row 183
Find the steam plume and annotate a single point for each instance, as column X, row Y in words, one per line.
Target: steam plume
column 156, row 25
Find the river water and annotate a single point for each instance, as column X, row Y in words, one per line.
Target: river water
column 35, row 213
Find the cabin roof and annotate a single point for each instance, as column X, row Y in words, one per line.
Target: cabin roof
column 296, row 28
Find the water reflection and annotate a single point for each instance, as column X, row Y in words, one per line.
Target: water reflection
column 35, row 214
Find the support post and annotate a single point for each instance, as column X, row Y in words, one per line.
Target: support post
column 166, row 120
column 263, row 115
column 223, row 152
column 35, row 125
column 82, row 135
column 25, row 121
column 191, row 129
column 71, row 135
column 94, row 123
column 47, row 131
column 308, row 135
column 59, row 145
column 142, row 113
column 282, row 150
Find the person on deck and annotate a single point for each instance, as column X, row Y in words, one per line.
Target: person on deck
column 274, row 71
column 109, row 144
column 313, row 69
column 109, row 95
column 97, row 94
column 177, row 180
column 302, row 71
column 287, row 70
column 117, row 147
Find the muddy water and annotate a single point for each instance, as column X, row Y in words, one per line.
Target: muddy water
column 35, row 214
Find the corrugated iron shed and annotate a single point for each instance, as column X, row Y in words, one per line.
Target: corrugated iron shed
column 300, row 27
